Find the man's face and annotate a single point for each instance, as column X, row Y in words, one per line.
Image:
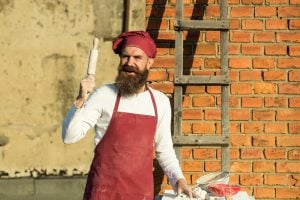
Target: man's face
column 133, row 70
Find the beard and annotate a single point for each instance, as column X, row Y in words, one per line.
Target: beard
column 129, row 84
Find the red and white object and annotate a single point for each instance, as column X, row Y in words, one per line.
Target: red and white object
column 223, row 190
column 91, row 70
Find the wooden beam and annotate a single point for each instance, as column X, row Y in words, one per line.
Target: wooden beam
column 201, row 140
column 201, row 25
column 201, row 80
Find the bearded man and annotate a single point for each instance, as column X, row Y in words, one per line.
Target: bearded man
column 130, row 119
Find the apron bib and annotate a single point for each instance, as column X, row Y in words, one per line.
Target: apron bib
column 123, row 160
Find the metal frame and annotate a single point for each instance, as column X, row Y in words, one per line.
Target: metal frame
column 181, row 80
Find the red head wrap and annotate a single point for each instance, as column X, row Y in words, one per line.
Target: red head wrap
column 139, row 39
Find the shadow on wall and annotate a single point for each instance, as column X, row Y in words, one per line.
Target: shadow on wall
column 190, row 43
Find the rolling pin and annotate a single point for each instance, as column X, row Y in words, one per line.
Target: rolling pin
column 91, row 69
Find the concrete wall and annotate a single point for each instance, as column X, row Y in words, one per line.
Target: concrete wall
column 44, row 47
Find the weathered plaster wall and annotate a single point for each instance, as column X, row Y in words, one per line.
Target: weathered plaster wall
column 44, row 49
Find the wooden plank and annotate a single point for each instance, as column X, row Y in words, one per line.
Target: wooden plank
column 201, row 140
column 201, row 25
column 201, row 80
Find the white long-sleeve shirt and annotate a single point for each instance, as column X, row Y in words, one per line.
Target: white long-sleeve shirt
column 97, row 112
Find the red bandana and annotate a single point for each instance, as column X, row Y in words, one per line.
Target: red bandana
column 138, row 39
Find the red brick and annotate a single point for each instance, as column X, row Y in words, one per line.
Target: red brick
column 263, row 115
column 212, row 63
column 163, row 87
column 294, row 2
column 195, row 90
column 274, row 75
column 251, row 154
column 263, row 166
column 240, row 166
column 240, row 140
column 154, row 24
column 285, row 167
column 160, row 11
column 212, row 36
column 251, row 179
column 265, row 88
column 275, row 102
column 240, row 36
column 275, row 153
column 263, row 192
column 294, row 128
column 252, row 24
column 288, row 62
column 294, row 50
column 288, row 141
column 294, row 75
column 191, row 114
column 250, row 75
column 288, row 37
column 158, row 76
column 263, row 141
column 287, row 193
column 234, row 154
column 204, row 101
column 165, row 62
column 264, row 37
column 288, row 115
column 185, row 153
column 263, row 63
column 294, row 102
column 275, row 179
column 206, row 49
column 241, row 88
column 186, row 128
column 213, row 89
column 275, row 50
column 212, row 11
column 276, row 24
column 233, row 49
column 294, row 180
column 265, row 11
column 252, row 128
column 272, row 2
column 255, row 2
column 240, row 63
column 252, row 49
column 234, row 24
column 287, row 88
column 203, row 154
column 294, row 154
column 252, row 102
column 186, row 102
column 239, row 115
column 203, row 128
column 276, row 128
column 212, row 115
column 294, row 24
column 192, row 166
column 291, row 11
column 212, row 166
column 238, row 12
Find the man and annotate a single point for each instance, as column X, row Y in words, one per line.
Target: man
column 130, row 119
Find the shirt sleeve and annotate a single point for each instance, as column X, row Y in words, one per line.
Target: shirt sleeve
column 165, row 153
column 78, row 121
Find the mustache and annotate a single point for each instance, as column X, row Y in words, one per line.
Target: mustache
column 128, row 68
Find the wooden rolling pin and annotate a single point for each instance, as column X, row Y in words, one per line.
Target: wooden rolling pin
column 91, row 69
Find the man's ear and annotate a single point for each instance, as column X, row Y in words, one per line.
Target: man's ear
column 150, row 63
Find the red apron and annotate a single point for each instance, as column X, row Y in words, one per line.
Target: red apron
column 123, row 160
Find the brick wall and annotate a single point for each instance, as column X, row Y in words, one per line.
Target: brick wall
column 264, row 64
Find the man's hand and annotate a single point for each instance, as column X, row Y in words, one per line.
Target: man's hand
column 86, row 87
column 182, row 187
